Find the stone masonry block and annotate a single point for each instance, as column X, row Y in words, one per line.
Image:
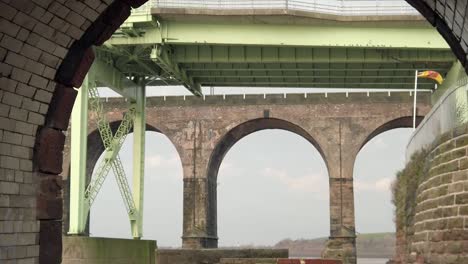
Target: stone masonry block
column 75, row 66
column 83, row 68
column 49, row 148
column 61, row 107
column 49, row 198
column 50, row 242
column 112, row 18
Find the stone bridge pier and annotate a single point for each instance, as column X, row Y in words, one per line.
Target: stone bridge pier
column 204, row 129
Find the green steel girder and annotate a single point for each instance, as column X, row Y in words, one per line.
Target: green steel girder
column 391, row 35
column 82, row 196
column 138, row 177
column 79, row 119
column 267, row 54
column 112, row 144
column 129, row 60
column 162, row 56
column 108, row 76
column 321, row 54
column 317, row 67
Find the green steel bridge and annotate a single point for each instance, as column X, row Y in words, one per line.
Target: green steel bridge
column 243, row 46
column 280, row 43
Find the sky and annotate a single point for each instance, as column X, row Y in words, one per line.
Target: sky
column 272, row 185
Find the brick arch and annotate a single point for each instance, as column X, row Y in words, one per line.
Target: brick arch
column 401, row 122
column 44, row 48
column 228, row 140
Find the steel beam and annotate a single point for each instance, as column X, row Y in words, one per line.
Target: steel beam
column 408, row 67
column 389, row 35
column 267, row 55
column 79, row 135
column 108, row 76
column 139, row 128
column 162, row 56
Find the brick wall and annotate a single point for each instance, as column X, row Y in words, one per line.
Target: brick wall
column 34, row 39
column 36, row 97
column 433, row 227
column 213, row 256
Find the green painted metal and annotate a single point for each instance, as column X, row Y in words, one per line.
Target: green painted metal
column 112, row 144
column 109, row 76
column 267, row 55
column 139, row 128
column 161, row 55
column 82, row 196
column 277, row 51
column 79, row 135
column 391, row 35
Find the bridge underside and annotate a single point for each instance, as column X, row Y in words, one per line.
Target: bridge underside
column 238, row 52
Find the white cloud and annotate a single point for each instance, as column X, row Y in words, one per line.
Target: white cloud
column 158, row 161
column 315, row 183
column 380, row 185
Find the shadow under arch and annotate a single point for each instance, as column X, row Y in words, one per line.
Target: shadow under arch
column 95, row 148
column 242, row 130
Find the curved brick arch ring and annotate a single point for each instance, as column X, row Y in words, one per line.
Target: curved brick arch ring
column 48, row 157
column 402, row 122
column 233, row 136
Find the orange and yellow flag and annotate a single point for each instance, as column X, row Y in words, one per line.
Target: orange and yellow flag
column 432, row 75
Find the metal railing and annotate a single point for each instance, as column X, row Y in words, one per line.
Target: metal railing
column 448, row 113
column 333, row 7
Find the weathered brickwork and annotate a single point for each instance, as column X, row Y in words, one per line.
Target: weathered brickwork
column 204, row 129
column 438, row 230
column 36, row 37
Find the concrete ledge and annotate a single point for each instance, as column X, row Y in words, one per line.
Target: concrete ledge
column 213, row 256
column 94, row 250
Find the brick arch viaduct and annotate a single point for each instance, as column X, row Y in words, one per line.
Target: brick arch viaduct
column 45, row 51
column 203, row 131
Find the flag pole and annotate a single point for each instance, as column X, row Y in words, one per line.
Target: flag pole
column 414, row 98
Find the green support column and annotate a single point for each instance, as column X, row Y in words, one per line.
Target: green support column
column 139, row 128
column 79, row 135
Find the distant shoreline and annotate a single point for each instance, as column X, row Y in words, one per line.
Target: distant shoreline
column 372, row 245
